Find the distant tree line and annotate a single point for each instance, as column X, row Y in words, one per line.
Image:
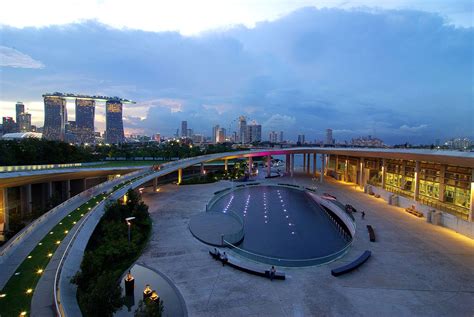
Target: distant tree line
column 37, row 151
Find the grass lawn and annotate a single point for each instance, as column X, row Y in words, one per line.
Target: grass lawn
column 15, row 297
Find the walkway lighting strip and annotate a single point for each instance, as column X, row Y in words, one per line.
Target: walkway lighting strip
column 20, row 286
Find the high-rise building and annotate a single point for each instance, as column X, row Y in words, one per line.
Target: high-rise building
column 301, row 139
column 221, row 135
column 329, row 139
column 85, row 112
column 9, row 125
column 273, row 137
column 184, row 129
column 281, row 137
column 20, row 109
column 24, row 122
column 242, row 137
column 55, row 117
column 113, row 121
column 215, row 130
column 254, row 133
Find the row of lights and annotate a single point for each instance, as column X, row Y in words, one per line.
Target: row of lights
column 40, row 271
column 228, row 204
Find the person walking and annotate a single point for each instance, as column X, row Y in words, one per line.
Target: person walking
column 363, row 214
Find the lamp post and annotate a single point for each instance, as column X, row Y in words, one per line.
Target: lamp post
column 128, row 220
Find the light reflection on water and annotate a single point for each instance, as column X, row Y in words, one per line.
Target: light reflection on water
column 171, row 300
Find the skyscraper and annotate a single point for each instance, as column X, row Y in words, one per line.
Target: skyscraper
column 329, row 139
column 281, row 137
column 242, row 130
column 215, row 130
column 301, row 139
column 113, row 121
column 273, row 137
column 8, row 125
column 221, row 135
column 254, row 133
column 85, row 112
column 20, row 108
column 55, row 117
column 184, row 129
column 24, row 122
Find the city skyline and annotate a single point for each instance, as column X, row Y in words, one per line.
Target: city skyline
column 408, row 81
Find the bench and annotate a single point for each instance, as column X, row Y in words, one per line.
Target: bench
column 353, row 265
column 247, row 268
column 371, row 233
column 412, row 210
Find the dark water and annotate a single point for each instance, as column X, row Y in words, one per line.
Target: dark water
column 282, row 223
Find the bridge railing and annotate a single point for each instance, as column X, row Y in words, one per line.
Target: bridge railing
column 61, row 307
column 288, row 262
column 36, row 167
column 17, row 239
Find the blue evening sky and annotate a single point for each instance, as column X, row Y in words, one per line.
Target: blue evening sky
column 402, row 72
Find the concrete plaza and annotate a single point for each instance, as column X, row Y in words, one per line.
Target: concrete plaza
column 416, row 268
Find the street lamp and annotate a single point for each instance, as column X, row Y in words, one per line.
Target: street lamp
column 129, row 224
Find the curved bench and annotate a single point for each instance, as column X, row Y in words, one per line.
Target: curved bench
column 371, row 233
column 353, row 265
column 247, row 268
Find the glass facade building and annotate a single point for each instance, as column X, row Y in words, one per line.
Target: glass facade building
column 55, row 117
column 24, row 122
column 85, row 112
column 113, row 122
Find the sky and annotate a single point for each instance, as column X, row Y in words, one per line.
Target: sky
column 398, row 70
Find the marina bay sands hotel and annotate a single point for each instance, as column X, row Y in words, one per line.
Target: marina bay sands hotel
column 55, row 117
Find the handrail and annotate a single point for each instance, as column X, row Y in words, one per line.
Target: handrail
column 57, row 276
column 37, row 167
column 290, row 262
column 24, row 233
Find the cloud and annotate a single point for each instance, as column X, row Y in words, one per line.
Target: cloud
column 10, row 57
column 279, row 122
column 358, row 72
column 413, row 129
column 219, row 109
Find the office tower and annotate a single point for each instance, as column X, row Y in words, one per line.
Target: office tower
column 24, row 122
column 301, row 139
column 221, row 135
column 55, row 117
column 215, row 130
column 254, row 133
column 20, row 108
column 85, row 112
column 281, row 136
column 329, row 139
column 273, row 137
column 234, row 137
column 113, row 122
column 184, row 129
column 242, row 130
column 9, row 125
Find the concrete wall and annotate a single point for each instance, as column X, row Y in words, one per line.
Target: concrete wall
column 447, row 220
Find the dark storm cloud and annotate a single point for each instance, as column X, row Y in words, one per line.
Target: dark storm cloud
column 405, row 75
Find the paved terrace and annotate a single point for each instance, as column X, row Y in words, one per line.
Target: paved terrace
column 416, row 268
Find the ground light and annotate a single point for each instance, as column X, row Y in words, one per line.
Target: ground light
column 20, row 287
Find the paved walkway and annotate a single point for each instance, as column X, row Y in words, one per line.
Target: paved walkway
column 416, row 268
column 43, row 297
